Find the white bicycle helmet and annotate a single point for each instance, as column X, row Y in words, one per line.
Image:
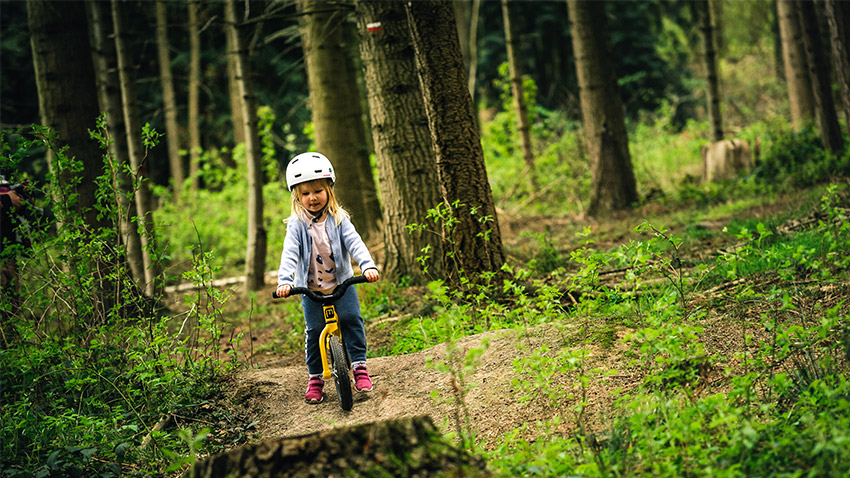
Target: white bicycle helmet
column 307, row 167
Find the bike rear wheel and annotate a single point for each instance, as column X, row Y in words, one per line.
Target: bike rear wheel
column 339, row 370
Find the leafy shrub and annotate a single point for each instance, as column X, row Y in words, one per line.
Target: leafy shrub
column 89, row 363
column 798, row 159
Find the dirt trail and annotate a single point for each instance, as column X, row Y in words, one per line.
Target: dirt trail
column 404, row 386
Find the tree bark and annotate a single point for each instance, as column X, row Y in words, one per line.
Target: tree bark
column 778, row 62
column 337, row 112
column 142, row 194
column 451, row 119
column 838, row 17
column 194, row 94
column 613, row 180
column 109, row 98
column 67, row 94
column 473, row 50
column 825, row 114
column 233, row 89
column 799, row 85
column 406, row 161
column 519, row 96
column 169, row 99
column 709, row 50
column 67, row 97
column 255, row 255
column 382, row 449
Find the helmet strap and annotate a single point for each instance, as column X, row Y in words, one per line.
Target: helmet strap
column 317, row 215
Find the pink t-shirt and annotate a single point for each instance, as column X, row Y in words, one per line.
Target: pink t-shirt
column 321, row 275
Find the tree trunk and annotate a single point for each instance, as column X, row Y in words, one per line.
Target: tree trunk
column 519, row 97
column 451, row 118
column 613, row 183
column 255, row 255
column 405, row 157
column 169, row 99
column 466, row 18
column 825, row 114
column 382, row 449
column 473, row 50
column 799, row 85
column 838, row 17
column 137, row 154
column 67, row 97
column 67, row 94
column 778, row 62
column 337, row 112
column 712, row 92
column 463, row 14
column 109, row 98
column 194, row 94
column 233, row 89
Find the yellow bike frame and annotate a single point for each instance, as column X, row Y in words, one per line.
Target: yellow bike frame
column 331, row 328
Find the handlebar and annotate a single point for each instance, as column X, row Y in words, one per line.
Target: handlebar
column 326, row 299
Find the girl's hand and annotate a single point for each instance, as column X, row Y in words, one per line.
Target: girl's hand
column 283, row 291
column 372, row 275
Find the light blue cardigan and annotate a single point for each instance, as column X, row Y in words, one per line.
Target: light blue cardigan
column 297, row 246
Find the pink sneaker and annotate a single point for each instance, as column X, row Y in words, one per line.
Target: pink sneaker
column 362, row 382
column 314, row 390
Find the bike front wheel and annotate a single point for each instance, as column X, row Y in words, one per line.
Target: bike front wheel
column 339, row 370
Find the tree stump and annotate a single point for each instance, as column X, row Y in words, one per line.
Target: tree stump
column 406, row 447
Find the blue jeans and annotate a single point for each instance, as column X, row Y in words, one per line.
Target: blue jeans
column 350, row 322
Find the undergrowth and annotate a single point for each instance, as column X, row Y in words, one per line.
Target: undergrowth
column 97, row 378
column 778, row 407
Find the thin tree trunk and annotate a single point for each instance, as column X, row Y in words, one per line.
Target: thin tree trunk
column 109, row 98
column 169, row 99
column 255, row 255
column 778, row 62
column 67, row 96
column 519, row 97
column 405, row 157
column 712, row 92
column 825, row 114
column 66, row 89
column 451, row 118
column 194, row 93
column 838, row 17
column 613, row 183
column 337, row 112
column 463, row 13
column 233, row 89
column 473, row 48
column 137, row 154
column 797, row 80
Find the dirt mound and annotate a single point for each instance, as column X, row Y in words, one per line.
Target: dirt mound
column 406, row 386
column 408, row 447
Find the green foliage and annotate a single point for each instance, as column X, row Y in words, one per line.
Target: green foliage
column 782, row 411
column 560, row 175
column 798, row 159
column 89, row 363
column 459, row 366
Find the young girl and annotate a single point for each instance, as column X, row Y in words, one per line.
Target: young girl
column 320, row 242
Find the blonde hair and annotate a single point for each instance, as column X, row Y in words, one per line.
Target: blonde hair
column 333, row 207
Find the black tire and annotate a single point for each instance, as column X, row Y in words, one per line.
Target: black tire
column 339, row 370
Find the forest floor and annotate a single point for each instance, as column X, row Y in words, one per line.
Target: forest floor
column 270, row 393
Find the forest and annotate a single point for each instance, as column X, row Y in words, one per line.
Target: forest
column 612, row 236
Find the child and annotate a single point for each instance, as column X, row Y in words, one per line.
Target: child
column 319, row 242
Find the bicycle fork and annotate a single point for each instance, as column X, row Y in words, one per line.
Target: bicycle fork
column 331, row 327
